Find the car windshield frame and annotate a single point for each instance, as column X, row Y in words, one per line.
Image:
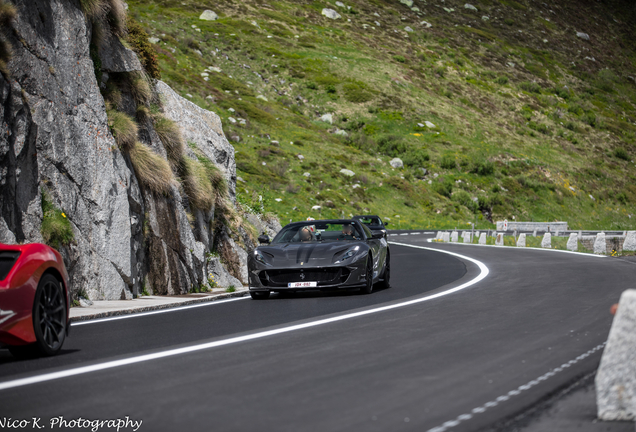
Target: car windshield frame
column 322, row 232
column 362, row 220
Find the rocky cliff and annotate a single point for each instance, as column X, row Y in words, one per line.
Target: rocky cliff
column 59, row 146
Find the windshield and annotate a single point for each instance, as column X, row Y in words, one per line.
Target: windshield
column 319, row 232
column 371, row 221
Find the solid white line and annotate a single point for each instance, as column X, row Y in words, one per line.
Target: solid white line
column 521, row 248
column 155, row 312
column 194, row 348
column 463, row 417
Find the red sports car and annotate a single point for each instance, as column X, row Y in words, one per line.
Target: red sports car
column 34, row 299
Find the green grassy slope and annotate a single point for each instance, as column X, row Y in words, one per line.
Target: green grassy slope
column 531, row 121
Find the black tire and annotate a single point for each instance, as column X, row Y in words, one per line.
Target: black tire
column 49, row 320
column 368, row 287
column 259, row 295
column 386, row 278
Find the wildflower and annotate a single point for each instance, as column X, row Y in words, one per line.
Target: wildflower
column 63, row 215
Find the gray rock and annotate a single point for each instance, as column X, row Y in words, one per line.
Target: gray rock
column 426, row 24
column 454, row 237
column 327, row 118
column 330, row 13
column 521, row 241
column 154, row 40
column 408, row 3
column 208, row 15
column 583, row 36
column 347, row 172
column 616, row 376
column 482, row 238
column 341, row 132
column 85, row 302
column 203, row 128
column 115, row 57
column 573, row 242
column 397, row 163
column 408, row 29
column 547, row 241
column 340, row 4
column 499, row 240
column 630, row 241
column 470, row 7
column 600, row 245
column 429, row 124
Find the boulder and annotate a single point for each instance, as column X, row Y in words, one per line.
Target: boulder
column 208, row 15
column 330, row 13
column 630, row 241
column 499, row 240
column 482, row 238
column 429, row 124
column 347, row 172
column 203, row 128
column 426, row 24
column 600, row 245
column 547, row 241
column 521, row 241
column 397, row 163
column 327, row 118
column 470, row 7
column 454, row 237
column 340, row 4
column 616, row 375
column 583, row 36
column 573, row 242
column 408, row 29
column 408, row 3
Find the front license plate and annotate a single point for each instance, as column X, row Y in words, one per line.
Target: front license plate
column 302, row 284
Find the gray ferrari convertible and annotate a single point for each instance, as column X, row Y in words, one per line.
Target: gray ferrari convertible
column 319, row 255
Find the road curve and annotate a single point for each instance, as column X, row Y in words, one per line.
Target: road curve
column 426, row 366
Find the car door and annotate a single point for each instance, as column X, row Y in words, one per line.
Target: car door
column 378, row 249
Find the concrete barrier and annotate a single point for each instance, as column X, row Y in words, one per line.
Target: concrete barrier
column 547, row 241
column 499, row 240
column 616, row 376
column 438, row 236
column 468, row 237
column 630, row 241
column 521, row 241
column 453, row 237
column 600, row 245
column 529, row 226
column 482, row 238
column 573, row 242
column 446, row 237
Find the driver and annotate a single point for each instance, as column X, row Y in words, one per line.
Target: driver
column 348, row 233
column 306, row 235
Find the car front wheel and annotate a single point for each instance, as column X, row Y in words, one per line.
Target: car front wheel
column 368, row 287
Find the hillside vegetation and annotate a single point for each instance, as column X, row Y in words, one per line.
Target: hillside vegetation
column 527, row 119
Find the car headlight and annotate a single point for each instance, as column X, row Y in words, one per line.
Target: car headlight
column 350, row 253
column 260, row 258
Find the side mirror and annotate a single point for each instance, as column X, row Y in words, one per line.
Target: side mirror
column 386, row 224
column 263, row 239
column 377, row 234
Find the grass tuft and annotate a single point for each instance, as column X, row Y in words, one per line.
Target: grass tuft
column 123, row 128
column 170, row 135
column 197, row 184
column 151, row 169
column 56, row 229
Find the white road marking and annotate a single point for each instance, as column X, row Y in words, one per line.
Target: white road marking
column 463, row 417
column 209, row 345
column 155, row 312
column 521, row 248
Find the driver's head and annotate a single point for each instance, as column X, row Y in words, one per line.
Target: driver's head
column 305, row 234
column 347, row 229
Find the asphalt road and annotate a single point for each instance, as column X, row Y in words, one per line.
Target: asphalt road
column 468, row 360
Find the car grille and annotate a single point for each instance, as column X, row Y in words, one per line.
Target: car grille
column 326, row 276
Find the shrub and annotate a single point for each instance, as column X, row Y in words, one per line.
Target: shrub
column 391, row 145
column 330, row 89
column 530, row 87
column 399, row 58
column 123, row 128
column 502, row 80
column 56, row 229
column 311, row 85
column 197, row 184
column 562, row 92
column 483, row 167
column 443, row 188
column 622, row 198
column 448, row 162
column 356, row 93
column 539, row 127
column 170, row 136
column 463, row 198
column 415, row 158
column 138, row 39
column 151, row 170
column 591, row 119
column 621, row 153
